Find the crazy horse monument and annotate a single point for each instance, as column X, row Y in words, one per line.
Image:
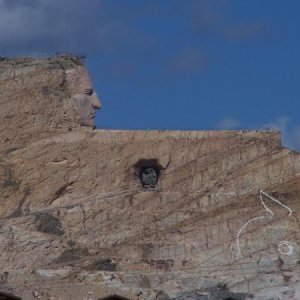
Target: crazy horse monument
column 115, row 214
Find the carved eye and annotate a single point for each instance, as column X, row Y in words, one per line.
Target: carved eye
column 89, row 92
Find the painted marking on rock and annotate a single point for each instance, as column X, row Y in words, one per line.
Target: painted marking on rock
column 284, row 247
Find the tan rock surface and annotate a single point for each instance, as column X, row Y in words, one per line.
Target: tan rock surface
column 77, row 223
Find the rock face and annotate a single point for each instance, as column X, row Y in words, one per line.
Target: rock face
column 89, row 214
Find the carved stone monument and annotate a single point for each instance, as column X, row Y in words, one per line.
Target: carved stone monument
column 116, row 214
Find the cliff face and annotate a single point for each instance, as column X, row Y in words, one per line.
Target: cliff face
column 86, row 214
column 34, row 98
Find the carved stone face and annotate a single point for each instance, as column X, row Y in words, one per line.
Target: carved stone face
column 85, row 99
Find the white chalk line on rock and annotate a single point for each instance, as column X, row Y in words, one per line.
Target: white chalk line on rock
column 284, row 247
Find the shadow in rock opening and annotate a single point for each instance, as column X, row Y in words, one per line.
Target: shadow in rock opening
column 5, row 296
column 113, row 297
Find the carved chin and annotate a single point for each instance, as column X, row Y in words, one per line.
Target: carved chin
column 87, row 122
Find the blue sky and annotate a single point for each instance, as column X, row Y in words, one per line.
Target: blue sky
column 174, row 64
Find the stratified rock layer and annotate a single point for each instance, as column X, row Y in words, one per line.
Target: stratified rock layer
column 217, row 219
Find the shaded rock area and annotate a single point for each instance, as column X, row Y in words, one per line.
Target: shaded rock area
column 5, row 296
column 8, row 179
column 105, row 265
column 220, row 292
column 70, row 255
column 48, row 224
column 161, row 295
column 160, row 264
column 114, row 297
column 91, row 214
column 18, row 212
column 211, row 294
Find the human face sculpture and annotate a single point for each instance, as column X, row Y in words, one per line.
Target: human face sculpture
column 85, row 99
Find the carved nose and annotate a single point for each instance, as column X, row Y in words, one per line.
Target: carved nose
column 96, row 102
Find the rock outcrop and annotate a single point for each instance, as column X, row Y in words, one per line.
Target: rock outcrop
column 89, row 214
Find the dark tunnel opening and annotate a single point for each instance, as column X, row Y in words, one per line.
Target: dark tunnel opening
column 113, row 297
column 148, row 171
column 5, row 296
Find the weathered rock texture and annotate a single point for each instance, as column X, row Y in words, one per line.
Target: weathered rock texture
column 78, row 222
